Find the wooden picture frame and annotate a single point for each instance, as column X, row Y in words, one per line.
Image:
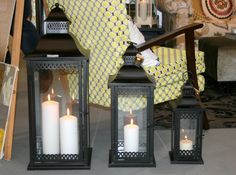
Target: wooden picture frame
column 7, row 82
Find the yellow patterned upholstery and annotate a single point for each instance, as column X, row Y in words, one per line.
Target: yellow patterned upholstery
column 102, row 27
column 170, row 73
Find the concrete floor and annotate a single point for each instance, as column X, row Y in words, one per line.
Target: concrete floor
column 219, row 147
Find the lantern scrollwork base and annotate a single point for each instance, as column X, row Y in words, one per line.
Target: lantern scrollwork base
column 114, row 163
column 174, row 161
column 70, row 162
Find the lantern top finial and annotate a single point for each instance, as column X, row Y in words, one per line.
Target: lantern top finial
column 188, row 97
column 132, row 56
column 131, row 72
column 57, row 13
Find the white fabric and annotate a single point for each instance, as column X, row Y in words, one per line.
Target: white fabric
column 150, row 59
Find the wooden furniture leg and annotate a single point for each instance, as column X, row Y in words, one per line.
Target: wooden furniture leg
column 16, row 45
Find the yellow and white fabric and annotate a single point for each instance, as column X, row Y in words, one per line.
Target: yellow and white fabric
column 102, row 27
column 135, row 36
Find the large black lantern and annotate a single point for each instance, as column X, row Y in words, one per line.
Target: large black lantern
column 131, row 115
column 186, row 133
column 58, row 99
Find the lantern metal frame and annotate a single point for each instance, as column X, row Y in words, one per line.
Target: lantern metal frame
column 188, row 108
column 131, row 77
column 57, row 51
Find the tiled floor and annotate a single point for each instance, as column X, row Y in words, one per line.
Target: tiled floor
column 219, row 148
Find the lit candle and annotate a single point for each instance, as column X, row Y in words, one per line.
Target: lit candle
column 143, row 9
column 186, row 144
column 69, row 134
column 50, row 126
column 131, row 137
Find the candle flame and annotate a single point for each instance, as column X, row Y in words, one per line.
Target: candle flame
column 131, row 121
column 186, row 138
column 52, row 91
column 49, row 98
column 68, row 111
column 73, row 97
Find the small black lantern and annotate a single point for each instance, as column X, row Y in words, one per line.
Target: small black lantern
column 58, row 100
column 131, row 114
column 186, row 133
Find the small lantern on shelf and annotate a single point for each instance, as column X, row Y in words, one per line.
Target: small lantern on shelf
column 58, row 99
column 186, row 132
column 144, row 13
column 131, row 115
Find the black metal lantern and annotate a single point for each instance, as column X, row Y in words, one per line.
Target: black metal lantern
column 131, row 115
column 58, row 100
column 186, row 135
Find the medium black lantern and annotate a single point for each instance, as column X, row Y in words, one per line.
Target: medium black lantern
column 58, row 100
column 186, row 135
column 131, row 115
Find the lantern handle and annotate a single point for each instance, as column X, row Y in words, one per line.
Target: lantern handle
column 138, row 60
column 131, row 42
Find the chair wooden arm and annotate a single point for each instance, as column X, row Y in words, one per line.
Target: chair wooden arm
column 189, row 46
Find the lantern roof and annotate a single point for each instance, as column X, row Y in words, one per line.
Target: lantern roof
column 57, row 42
column 131, row 73
column 62, row 45
column 188, row 97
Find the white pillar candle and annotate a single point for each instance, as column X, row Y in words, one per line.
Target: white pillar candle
column 143, row 9
column 69, row 134
column 50, row 126
column 186, row 144
column 131, row 137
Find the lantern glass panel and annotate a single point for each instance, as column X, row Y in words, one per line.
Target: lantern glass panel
column 132, row 123
column 187, row 133
column 58, row 109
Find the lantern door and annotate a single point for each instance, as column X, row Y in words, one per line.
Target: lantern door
column 58, row 105
column 132, row 133
column 187, row 136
